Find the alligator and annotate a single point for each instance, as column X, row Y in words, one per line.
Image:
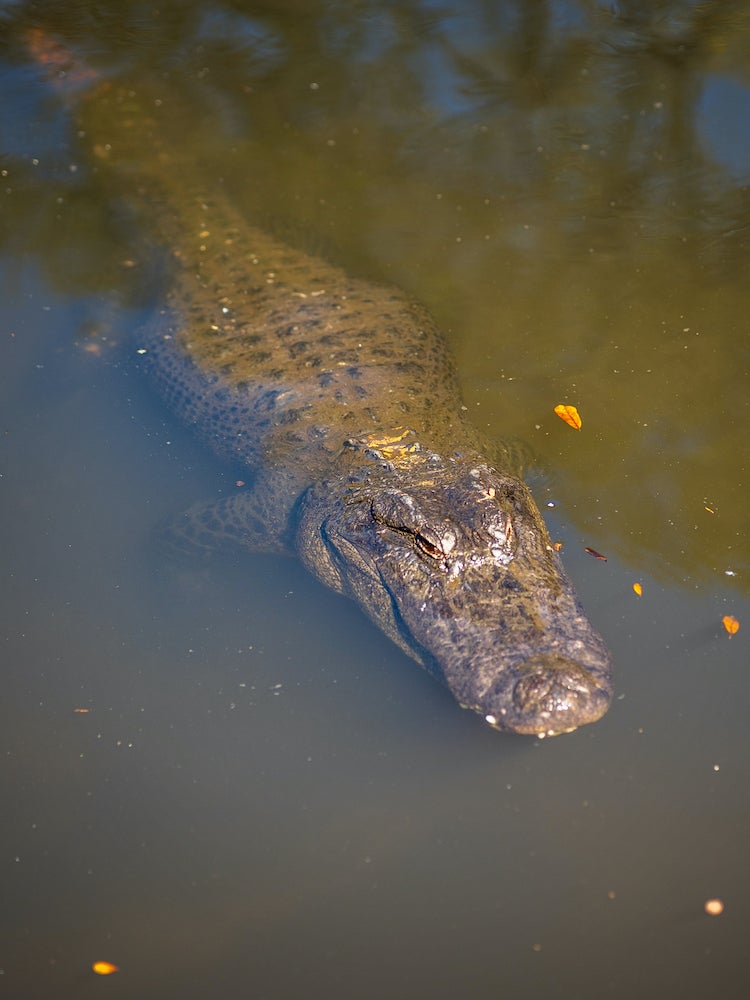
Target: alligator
column 339, row 397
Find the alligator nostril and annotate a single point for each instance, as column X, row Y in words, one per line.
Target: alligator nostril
column 531, row 690
column 555, row 686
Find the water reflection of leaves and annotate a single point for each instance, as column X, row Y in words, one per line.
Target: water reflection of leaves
column 537, row 175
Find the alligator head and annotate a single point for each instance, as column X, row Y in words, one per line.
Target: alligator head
column 452, row 560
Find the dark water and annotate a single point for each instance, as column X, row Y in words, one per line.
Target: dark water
column 264, row 798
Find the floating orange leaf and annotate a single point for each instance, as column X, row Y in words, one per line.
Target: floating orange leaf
column 82, row 711
column 731, row 624
column 638, row 588
column 569, row 414
column 104, row 968
column 595, row 554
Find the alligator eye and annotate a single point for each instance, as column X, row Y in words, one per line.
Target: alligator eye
column 427, row 546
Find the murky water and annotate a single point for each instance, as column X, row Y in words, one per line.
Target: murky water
column 263, row 797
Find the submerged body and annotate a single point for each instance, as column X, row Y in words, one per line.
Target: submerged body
column 341, row 398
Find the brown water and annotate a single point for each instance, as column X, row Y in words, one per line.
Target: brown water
column 265, row 798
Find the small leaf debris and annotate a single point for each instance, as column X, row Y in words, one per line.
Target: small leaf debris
column 105, row 968
column 570, row 415
column 731, row 624
column 595, row 554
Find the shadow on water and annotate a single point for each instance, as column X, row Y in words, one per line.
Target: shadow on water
column 262, row 795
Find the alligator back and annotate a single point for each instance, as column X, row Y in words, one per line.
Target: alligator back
column 274, row 354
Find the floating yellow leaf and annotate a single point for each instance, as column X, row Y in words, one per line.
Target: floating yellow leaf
column 104, row 968
column 731, row 624
column 569, row 414
column 638, row 588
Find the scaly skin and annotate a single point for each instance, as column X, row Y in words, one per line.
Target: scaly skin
column 341, row 398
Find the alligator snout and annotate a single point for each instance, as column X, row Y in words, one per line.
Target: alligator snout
column 553, row 695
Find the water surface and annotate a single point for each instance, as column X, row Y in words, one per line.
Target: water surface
column 263, row 797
